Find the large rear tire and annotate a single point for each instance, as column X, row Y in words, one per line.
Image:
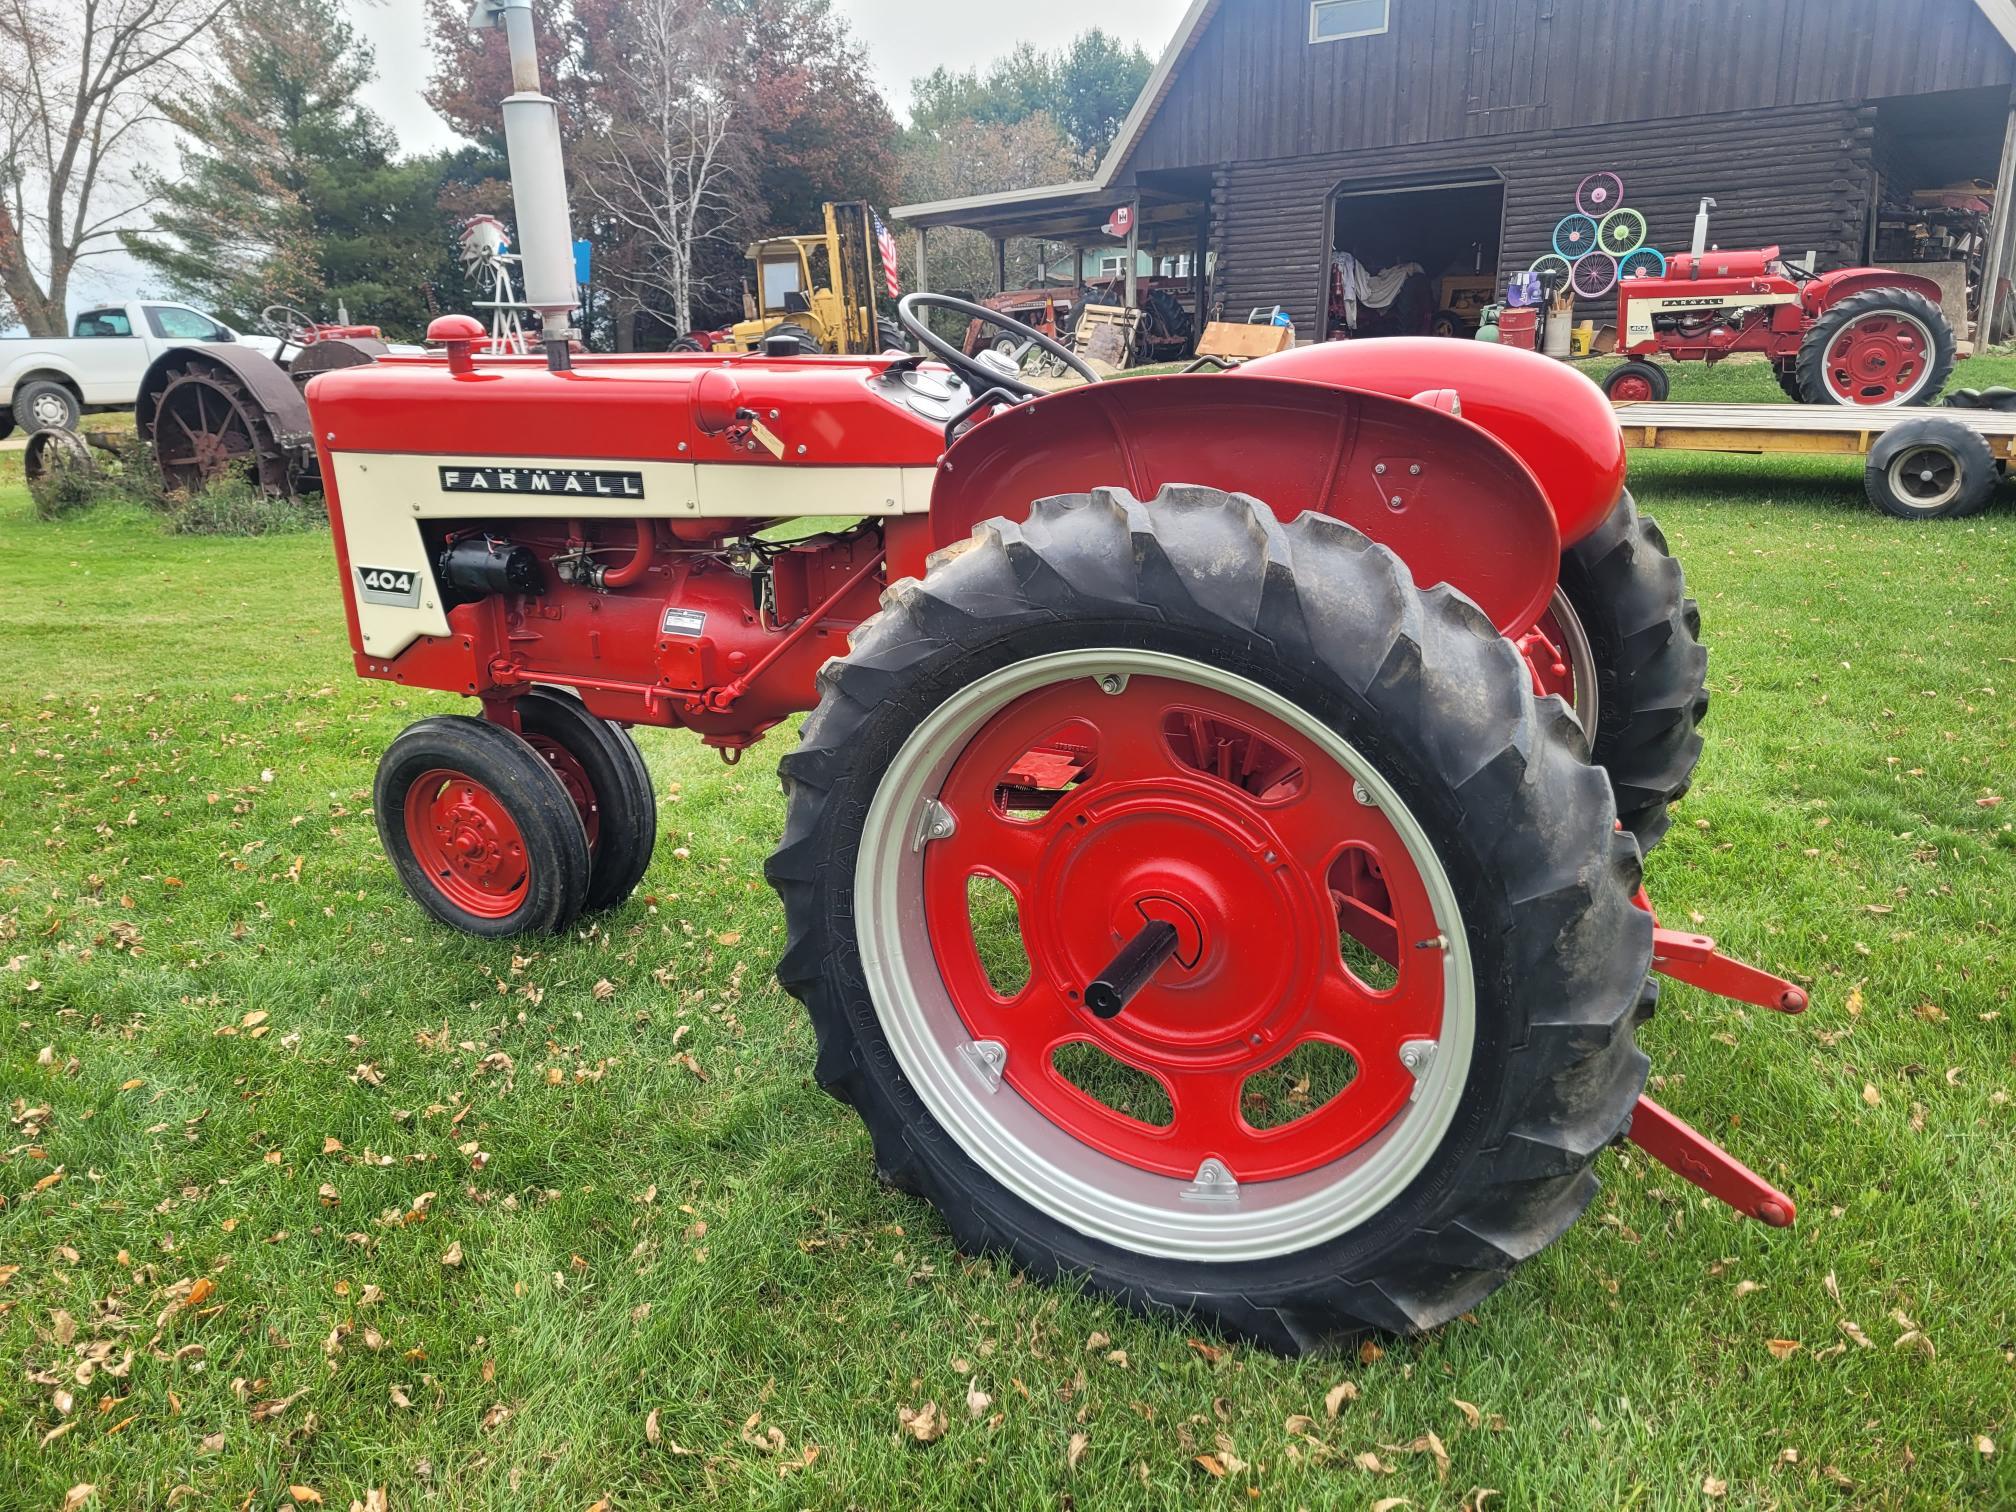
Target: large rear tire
column 1880, row 348
column 1267, row 737
column 1627, row 605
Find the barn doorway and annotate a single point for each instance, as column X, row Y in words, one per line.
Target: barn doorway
column 1414, row 259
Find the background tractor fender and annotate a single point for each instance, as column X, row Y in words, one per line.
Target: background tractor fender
column 1452, row 501
column 263, row 378
column 1553, row 418
column 1829, row 289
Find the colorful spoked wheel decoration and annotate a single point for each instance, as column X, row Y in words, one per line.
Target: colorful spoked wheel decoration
column 1575, row 237
column 1148, row 887
column 1621, row 231
column 1645, row 262
column 1553, row 270
column 1599, row 194
column 1594, row 275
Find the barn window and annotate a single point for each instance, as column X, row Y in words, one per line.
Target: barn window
column 1334, row 20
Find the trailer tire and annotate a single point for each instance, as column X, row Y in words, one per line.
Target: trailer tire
column 1416, row 696
column 1931, row 341
column 1643, row 633
column 1637, row 382
column 47, row 405
column 480, row 829
column 1931, row 469
column 599, row 765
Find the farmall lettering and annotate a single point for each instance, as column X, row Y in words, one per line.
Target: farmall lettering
column 568, row 482
column 1640, row 313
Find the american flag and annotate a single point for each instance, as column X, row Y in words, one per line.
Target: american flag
column 886, row 245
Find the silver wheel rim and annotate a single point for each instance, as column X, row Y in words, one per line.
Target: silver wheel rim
column 1917, row 478
column 1581, row 663
column 1098, row 1196
column 1929, row 347
column 50, row 411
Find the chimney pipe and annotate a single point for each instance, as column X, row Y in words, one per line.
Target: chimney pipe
column 538, row 180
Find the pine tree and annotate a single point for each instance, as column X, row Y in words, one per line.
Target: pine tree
column 290, row 192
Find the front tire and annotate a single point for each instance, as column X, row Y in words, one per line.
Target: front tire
column 1293, row 778
column 482, row 833
column 1637, row 382
column 599, row 765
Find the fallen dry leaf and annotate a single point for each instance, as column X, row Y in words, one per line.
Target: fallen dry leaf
column 1870, row 1095
column 1368, row 1352
column 1714, row 1489
column 1388, row 1503
column 652, row 1433
column 925, row 1424
column 1854, row 1332
column 1076, row 1451
column 1371, row 1463
column 452, row 1256
column 1337, row 1396
column 306, row 1496
column 200, row 1292
column 1783, row 1349
column 1209, row 1352
column 1470, row 1414
column 977, row 1401
column 78, row 1495
column 1211, row 1465
column 1983, row 1445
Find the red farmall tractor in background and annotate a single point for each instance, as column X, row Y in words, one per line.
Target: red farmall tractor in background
column 1865, row 336
column 1160, row 732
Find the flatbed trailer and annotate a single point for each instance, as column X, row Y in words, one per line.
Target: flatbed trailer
column 1923, row 462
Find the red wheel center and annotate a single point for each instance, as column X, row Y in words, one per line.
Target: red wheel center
column 1877, row 359
column 1101, row 810
column 467, row 842
column 1634, row 390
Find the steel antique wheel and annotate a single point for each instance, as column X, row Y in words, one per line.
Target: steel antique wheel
column 1176, row 924
column 1881, row 348
column 206, row 425
column 482, row 832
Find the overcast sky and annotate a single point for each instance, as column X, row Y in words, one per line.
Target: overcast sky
column 904, row 38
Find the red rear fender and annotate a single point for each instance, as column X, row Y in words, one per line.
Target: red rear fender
column 1453, row 502
column 1829, row 289
column 1554, row 420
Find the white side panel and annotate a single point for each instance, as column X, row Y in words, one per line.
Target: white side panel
column 385, row 495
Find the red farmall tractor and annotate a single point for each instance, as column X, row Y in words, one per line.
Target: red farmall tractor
column 1161, row 732
column 1858, row 336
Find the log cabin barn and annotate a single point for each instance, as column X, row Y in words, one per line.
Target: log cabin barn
column 1275, row 137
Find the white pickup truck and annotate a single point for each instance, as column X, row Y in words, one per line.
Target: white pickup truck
column 99, row 365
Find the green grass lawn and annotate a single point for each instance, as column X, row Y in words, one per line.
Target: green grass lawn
column 533, row 1228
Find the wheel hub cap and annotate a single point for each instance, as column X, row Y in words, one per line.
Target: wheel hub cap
column 467, row 842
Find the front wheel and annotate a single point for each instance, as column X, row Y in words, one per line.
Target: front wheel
column 1637, row 382
column 1249, row 950
column 481, row 830
column 599, row 765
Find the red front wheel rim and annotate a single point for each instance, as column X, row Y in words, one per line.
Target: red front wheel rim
column 465, row 840
column 1879, row 359
column 573, row 777
column 1633, row 388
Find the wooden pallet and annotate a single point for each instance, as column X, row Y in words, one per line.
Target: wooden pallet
column 1814, row 429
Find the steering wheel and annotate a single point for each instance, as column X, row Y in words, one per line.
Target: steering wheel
column 981, row 376
column 289, row 324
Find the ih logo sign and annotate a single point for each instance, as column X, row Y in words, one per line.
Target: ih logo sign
column 398, row 586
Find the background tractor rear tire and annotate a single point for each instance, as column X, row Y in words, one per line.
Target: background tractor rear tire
column 1424, row 692
column 452, row 785
column 42, row 404
column 599, row 765
column 687, row 343
column 804, row 342
column 1637, row 382
column 1931, row 469
column 1644, row 637
column 1901, row 304
column 892, row 335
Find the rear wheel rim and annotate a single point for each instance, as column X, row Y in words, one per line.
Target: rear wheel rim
column 1258, row 883
column 1925, row 478
column 467, row 843
column 1881, row 359
column 1563, row 662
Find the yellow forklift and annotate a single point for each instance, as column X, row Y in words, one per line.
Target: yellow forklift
column 817, row 293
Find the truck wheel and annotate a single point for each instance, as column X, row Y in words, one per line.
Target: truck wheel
column 46, row 405
column 1931, row 469
column 480, row 829
column 1637, row 383
column 1636, row 671
column 1374, row 889
column 599, row 765
column 1882, row 348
